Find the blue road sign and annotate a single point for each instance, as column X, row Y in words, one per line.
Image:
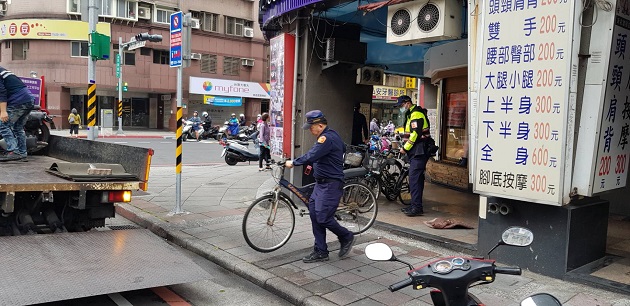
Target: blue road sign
column 176, row 39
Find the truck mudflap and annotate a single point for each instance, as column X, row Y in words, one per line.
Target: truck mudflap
column 46, row 268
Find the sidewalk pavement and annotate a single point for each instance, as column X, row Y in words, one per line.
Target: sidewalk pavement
column 127, row 133
column 215, row 199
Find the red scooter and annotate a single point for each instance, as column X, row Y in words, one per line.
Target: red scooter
column 452, row 276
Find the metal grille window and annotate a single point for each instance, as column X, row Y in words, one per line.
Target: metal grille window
column 161, row 57
column 231, row 65
column 126, row 9
column 130, row 58
column 19, row 49
column 106, row 8
column 79, row 48
column 163, row 15
column 210, row 22
column 234, row 26
column 209, row 63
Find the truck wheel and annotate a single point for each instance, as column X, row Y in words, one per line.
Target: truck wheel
column 230, row 160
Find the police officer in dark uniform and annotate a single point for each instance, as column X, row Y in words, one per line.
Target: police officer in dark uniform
column 416, row 133
column 327, row 159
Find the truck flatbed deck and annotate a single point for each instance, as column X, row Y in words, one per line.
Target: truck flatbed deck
column 18, row 176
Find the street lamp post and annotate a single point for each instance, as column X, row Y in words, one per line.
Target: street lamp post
column 137, row 42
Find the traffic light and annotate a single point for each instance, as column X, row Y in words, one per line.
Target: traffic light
column 148, row 37
column 125, row 86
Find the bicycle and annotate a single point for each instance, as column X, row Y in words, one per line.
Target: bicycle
column 269, row 221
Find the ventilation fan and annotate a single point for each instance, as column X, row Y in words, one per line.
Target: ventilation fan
column 428, row 17
column 370, row 76
column 424, row 21
column 401, row 21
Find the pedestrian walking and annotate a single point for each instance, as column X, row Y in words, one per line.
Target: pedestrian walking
column 327, row 159
column 359, row 127
column 16, row 103
column 75, row 122
column 264, row 141
column 416, row 133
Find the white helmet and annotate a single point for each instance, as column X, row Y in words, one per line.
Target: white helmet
column 259, row 116
column 241, row 115
column 204, row 114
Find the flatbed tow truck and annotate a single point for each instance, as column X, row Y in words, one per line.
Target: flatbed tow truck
column 49, row 207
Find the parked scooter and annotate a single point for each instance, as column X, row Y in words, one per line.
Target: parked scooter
column 235, row 151
column 37, row 131
column 452, row 276
column 245, row 133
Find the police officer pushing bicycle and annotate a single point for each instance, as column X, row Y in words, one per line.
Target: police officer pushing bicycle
column 327, row 159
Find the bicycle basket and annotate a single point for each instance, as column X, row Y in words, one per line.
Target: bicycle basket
column 353, row 157
column 374, row 162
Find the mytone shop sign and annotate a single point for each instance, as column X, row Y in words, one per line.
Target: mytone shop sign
column 223, row 101
column 229, row 88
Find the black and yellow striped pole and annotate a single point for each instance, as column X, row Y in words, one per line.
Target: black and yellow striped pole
column 178, row 163
column 91, row 115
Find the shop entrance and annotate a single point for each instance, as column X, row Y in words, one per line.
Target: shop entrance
column 136, row 112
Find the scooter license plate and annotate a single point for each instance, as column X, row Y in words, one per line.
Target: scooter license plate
column 223, row 153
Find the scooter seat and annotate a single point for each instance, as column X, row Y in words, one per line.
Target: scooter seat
column 354, row 172
column 243, row 143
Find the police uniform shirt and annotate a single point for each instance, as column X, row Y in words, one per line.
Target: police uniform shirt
column 326, row 156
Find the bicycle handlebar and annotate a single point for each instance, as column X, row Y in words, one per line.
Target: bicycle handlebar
column 401, row 284
column 508, row 270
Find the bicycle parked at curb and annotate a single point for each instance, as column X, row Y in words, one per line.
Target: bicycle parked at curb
column 269, row 221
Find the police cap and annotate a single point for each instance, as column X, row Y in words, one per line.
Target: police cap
column 312, row 117
column 401, row 100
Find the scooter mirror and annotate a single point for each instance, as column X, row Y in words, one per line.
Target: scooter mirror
column 379, row 252
column 541, row 299
column 517, row 236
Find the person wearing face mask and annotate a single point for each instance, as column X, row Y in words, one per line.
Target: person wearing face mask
column 416, row 133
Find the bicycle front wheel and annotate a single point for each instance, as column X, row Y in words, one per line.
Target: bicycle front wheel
column 357, row 208
column 267, row 226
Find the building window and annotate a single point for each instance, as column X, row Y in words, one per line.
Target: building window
column 7, row 44
column 161, row 57
column 107, row 8
column 73, row 6
column 126, row 9
column 80, row 49
column 163, row 15
column 455, row 128
column 234, row 26
column 210, row 22
column 209, row 63
column 20, row 48
column 231, row 65
column 145, row 51
column 130, row 58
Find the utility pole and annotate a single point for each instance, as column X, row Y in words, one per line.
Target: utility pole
column 91, row 91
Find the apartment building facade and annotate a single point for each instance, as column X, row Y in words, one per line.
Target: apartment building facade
column 48, row 39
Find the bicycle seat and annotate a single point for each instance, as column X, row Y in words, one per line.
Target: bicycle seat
column 354, row 172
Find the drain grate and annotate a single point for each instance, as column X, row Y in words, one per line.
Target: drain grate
column 122, row 227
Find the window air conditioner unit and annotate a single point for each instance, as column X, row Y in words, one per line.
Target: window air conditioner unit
column 419, row 21
column 370, row 76
column 345, row 51
column 249, row 62
column 144, row 12
column 195, row 24
column 248, row 32
column 195, row 56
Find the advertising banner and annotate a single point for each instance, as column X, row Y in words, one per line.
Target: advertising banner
column 387, row 93
column 223, row 101
column 34, row 85
column 228, row 88
column 524, row 107
column 49, row 29
column 613, row 150
column 280, row 106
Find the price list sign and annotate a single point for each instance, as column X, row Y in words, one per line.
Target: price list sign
column 523, row 102
column 613, row 150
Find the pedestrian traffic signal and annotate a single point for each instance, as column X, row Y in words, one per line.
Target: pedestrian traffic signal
column 148, row 37
column 125, row 86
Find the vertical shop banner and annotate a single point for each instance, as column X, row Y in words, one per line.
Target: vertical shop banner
column 613, row 149
column 282, row 63
column 524, row 107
